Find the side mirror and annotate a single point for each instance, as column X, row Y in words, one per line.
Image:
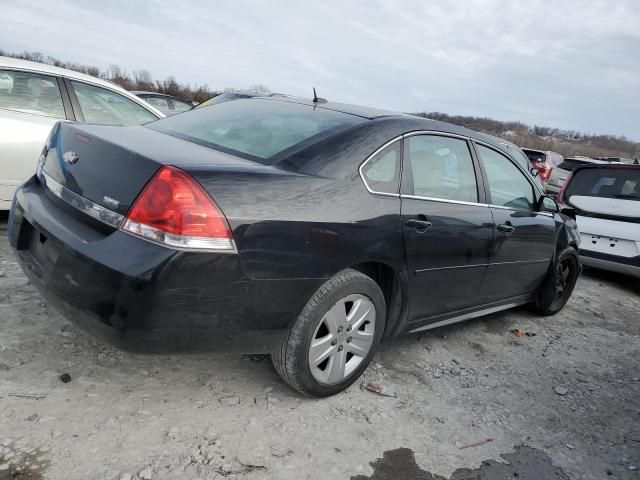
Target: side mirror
column 534, row 172
column 548, row 204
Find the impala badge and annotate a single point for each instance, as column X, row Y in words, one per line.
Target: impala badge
column 70, row 158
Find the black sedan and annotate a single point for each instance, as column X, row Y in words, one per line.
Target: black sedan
column 310, row 231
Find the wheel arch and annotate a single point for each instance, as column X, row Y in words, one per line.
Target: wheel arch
column 393, row 288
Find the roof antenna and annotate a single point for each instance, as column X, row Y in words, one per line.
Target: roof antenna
column 317, row 99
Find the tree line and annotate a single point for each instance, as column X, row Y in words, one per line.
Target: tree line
column 137, row 80
column 566, row 142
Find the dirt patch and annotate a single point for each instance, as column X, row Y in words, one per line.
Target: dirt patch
column 525, row 464
column 22, row 462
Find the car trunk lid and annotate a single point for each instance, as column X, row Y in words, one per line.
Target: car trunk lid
column 110, row 165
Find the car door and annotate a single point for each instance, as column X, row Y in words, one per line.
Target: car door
column 448, row 230
column 30, row 103
column 524, row 239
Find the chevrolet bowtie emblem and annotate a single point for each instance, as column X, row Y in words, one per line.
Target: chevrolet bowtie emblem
column 70, row 158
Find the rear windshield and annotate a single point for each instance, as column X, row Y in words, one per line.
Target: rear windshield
column 622, row 183
column 255, row 128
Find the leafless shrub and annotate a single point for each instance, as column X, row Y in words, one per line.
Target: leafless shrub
column 565, row 142
column 139, row 80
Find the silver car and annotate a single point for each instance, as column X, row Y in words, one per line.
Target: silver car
column 33, row 96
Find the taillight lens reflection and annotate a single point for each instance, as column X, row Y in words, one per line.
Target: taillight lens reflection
column 174, row 210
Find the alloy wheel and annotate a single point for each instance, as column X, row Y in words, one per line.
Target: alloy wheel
column 342, row 339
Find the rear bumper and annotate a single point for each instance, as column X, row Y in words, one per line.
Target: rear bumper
column 143, row 297
column 614, row 263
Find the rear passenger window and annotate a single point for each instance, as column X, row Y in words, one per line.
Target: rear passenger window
column 100, row 105
column 508, row 186
column 382, row 172
column 441, row 167
column 30, row 93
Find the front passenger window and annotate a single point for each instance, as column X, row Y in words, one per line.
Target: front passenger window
column 508, row 186
column 441, row 168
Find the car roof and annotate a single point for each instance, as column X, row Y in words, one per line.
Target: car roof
column 608, row 165
column 410, row 122
column 357, row 110
column 9, row 62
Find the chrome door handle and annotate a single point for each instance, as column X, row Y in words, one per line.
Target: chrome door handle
column 420, row 225
column 506, row 229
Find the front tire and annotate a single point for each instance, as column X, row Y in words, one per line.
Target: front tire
column 559, row 283
column 334, row 337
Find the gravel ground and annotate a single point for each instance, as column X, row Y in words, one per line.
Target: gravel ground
column 471, row 401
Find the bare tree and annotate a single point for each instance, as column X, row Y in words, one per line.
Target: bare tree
column 260, row 88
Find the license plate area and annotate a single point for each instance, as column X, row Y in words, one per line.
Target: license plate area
column 608, row 245
column 603, row 243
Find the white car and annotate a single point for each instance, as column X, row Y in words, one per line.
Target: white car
column 607, row 203
column 34, row 96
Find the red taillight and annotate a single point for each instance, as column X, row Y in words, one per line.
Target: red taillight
column 544, row 169
column 173, row 209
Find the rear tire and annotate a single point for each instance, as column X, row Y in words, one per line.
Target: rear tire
column 556, row 289
column 334, row 337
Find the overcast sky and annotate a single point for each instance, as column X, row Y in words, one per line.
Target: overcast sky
column 568, row 64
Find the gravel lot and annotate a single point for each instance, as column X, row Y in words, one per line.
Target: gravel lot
column 560, row 402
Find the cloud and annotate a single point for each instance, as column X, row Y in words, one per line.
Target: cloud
column 571, row 64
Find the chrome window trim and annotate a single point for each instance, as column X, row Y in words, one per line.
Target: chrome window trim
column 446, row 200
column 443, row 200
column 362, row 165
column 82, row 204
column 437, row 133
